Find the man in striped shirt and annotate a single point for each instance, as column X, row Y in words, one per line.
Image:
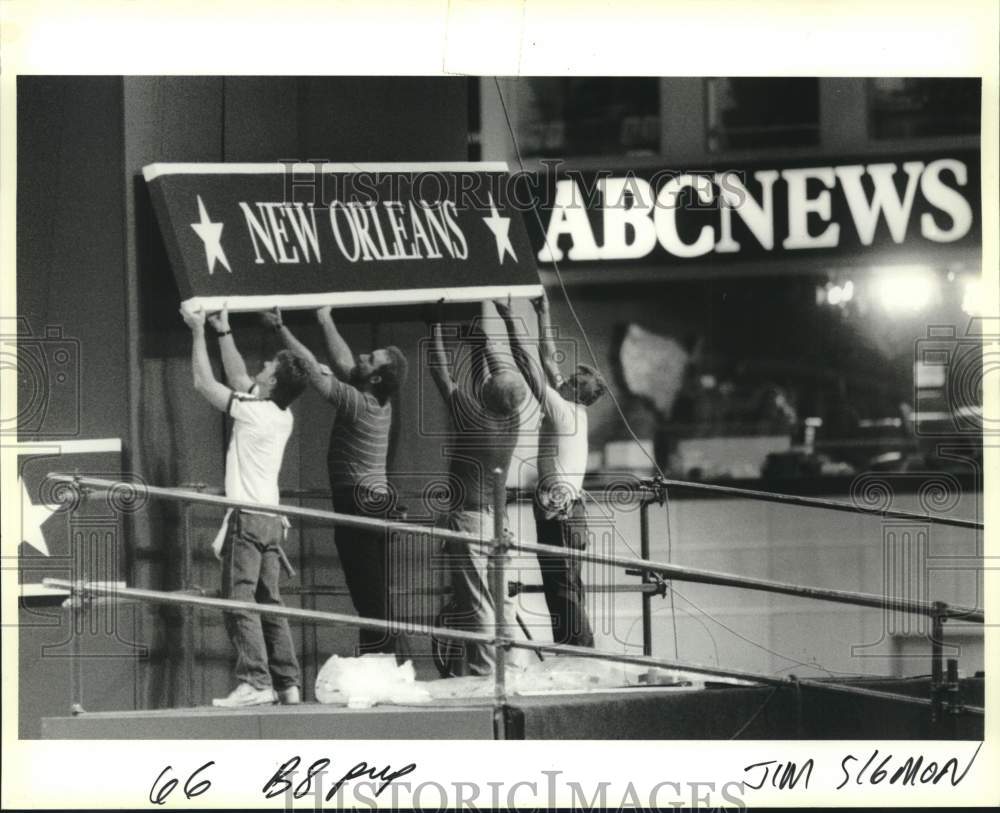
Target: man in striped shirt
column 359, row 390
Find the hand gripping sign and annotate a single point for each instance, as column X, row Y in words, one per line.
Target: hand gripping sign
column 304, row 235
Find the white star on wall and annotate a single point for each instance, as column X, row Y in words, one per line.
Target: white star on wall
column 211, row 235
column 500, row 226
column 32, row 518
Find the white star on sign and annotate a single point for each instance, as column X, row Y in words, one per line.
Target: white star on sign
column 500, row 226
column 32, row 518
column 211, row 235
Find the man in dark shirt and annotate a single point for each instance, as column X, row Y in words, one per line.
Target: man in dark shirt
column 359, row 392
column 484, row 414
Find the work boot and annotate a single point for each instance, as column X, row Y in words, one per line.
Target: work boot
column 289, row 696
column 247, row 695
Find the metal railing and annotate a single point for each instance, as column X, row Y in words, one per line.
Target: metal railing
column 501, row 640
column 653, row 491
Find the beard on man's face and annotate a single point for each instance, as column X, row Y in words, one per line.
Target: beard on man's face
column 355, row 377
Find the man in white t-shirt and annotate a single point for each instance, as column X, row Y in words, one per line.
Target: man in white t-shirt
column 560, row 516
column 266, row 666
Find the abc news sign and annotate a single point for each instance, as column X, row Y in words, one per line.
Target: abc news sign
column 807, row 209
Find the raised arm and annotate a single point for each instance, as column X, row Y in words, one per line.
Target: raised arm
column 484, row 360
column 340, row 355
column 299, row 350
column 320, row 375
column 232, row 361
column 214, row 392
column 547, row 347
column 525, row 363
column 440, row 370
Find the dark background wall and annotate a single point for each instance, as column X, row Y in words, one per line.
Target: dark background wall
column 90, row 260
column 70, row 245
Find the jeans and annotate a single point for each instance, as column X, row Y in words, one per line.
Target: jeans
column 471, row 571
column 364, row 558
column 561, row 576
column 251, row 565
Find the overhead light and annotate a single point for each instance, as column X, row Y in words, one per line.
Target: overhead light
column 972, row 295
column 905, row 289
column 835, row 293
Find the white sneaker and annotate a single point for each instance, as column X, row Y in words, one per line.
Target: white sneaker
column 247, row 695
column 290, row 696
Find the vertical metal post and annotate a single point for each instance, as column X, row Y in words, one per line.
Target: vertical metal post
column 937, row 661
column 647, row 597
column 310, row 632
column 187, row 613
column 952, row 691
column 76, row 666
column 77, row 618
column 499, row 590
column 800, row 727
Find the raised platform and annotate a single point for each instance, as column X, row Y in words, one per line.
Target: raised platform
column 310, row 721
column 722, row 712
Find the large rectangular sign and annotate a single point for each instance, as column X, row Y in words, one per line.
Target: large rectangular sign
column 257, row 236
column 888, row 207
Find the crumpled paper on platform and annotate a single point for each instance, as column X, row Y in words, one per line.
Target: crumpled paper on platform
column 362, row 682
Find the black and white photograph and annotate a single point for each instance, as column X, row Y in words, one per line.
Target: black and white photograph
column 561, row 408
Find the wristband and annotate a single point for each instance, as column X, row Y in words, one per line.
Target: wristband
column 277, row 328
column 221, row 333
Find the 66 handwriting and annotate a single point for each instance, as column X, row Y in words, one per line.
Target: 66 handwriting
column 158, row 793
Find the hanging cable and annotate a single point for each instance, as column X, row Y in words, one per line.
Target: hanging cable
column 711, row 617
column 586, row 339
column 670, row 558
column 756, row 714
column 565, row 293
column 742, row 637
column 624, row 418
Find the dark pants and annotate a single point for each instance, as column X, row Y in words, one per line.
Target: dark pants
column 561, row 576
column 251, row 565
column 364, row 558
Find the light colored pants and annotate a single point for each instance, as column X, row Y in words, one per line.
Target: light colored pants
column 471, row 572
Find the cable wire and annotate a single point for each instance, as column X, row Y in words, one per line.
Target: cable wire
column 565, row 293
column 794, row 661
column 756, row 714
column 621, row 413
column 590, row 350
column 742, row 637
column 670, row 558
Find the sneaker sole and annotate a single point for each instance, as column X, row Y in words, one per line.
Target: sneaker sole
column 224, row 705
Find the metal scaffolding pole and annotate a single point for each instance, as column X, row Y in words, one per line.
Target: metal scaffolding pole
column 665, row 569
column 317, row 617
column 500, row 633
